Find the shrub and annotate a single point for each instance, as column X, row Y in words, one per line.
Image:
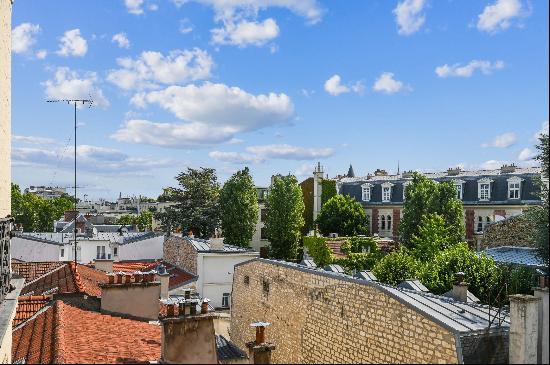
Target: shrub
column 318, row 249
column 343, row 215
column 358, row 261
column 396, row 267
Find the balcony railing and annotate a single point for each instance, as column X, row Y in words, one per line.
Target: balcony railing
column 6, row 225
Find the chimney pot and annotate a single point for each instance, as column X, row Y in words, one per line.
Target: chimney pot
column 170, row 310
column 204, row 306
column 127, row 278
column 111, row 279
column 119, row 277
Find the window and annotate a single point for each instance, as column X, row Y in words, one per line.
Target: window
column 263, row 215
column 225, row 300
column 484, row 189
column 62, row 252
column 263, row 233
column 115, row 251
column 383, row 223
column 482, row 222
column 366, row 192
column 459, row 185
column 389, row 222
column 100, row 252
column 514, row 187
column 386, row 194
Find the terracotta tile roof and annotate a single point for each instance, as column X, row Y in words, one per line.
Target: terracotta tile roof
column 67, row 279
column 28, row 306
column 335, row 248
column 33, row 270
column 50, row 338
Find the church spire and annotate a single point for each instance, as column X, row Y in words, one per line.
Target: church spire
column 351, row 173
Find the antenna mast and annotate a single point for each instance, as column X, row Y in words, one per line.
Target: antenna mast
column 75, row 102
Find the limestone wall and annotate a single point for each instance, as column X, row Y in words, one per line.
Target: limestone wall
column 322, row 319
column 181, row 253
column 5, row 107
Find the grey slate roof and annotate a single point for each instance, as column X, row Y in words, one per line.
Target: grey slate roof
column 365, row 275
column 334, row 268
column 461, row 318
column 65, row 238
column 309, row 263
column 413, row 285
column 515, row 255
column 203, row 246
column 499, row 186
column 470, row 297
column 227, row 350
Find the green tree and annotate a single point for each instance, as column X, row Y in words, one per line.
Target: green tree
column 319, row 250
column 197, row 203
column 424, row 197
column 126, row 219
column 433, row 236
column 285, row 209
column 239, row 209
column 144, row 221
column 396, row 267
column 328, row 190
column 342, row 215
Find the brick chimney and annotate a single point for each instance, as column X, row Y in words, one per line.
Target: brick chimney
column 104, row 265
column 460, row 288
column 187, row 337
column 133, row 295
column 453, row 171
column 506, row 169
column 260, row 350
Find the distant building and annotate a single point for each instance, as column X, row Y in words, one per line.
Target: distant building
column 259, row 240
column 46, row 192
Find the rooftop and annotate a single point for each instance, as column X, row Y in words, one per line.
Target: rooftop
column 203, row 246
column 526, row 256
column 28, row 306
column 67, row 238
column 33, row 270
column 227, row 350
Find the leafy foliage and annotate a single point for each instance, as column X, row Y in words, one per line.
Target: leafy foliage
column 144, row 221
column 36, row 214
column 328, row 190
column 284, row 221
column 358, row 261
column 433, row 236
column 197, row 203
column 359, row 244
column 318, row 249
column 424, row 197
column 396, row 267
column 239, row 209
column 307, row 194
column 342, row 215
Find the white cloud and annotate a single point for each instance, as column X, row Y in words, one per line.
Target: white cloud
column 185, row 26
column 134, row 6
column 41, row 54
column 388, row 85
column 72, row 44
column 33, row 140
column 492, row 164
column 288, row 152
column 502, row 141
column 499, row 15
column 23, row 37
column 543, row 130
column 409, row 16
column 456, row 70
column 334, row 87
column 235, row 157
column 153, row 68
column 90, row 158
column 68, row 84
column 235, row 141
column 214, row 113
column 304, row 170
column 246, row 33
column 121, row 40
column 526, row 154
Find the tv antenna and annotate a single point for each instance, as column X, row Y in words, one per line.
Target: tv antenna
column 75, row 102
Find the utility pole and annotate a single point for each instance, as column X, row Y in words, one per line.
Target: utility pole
column 75, row 102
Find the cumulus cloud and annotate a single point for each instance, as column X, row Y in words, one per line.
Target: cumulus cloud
column 502, row 141
column 121, row 40
column 409, row 16
column 213, row 113
column 41, row 54
column 246, row 33
column 257, row 154
column 91, row 158
column 334, row 87
column 543, row 130
column 33, row 140
column 500, row 15
column 23, row 37
column 134, row 6
column 235, row 157
column 68, row 84
column 526, row 154
column 456, row 70
column 386, row 84
column 153, row 68
column 72, row 44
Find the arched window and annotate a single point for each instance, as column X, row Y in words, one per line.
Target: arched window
column 383, row 223
column 389, row 222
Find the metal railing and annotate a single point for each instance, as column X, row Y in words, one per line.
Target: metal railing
column 6, row 226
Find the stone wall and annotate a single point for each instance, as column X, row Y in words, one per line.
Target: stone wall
column 322, row 319
column 180, row 252
column 5, row 107
column 513, row 231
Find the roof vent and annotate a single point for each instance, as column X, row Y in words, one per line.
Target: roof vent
column 506, row 169
column 453, row 171
column 380, row 172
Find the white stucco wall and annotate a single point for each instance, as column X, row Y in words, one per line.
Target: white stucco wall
column 215, row 273
column 149, row 249
column 30, row 250
column 5, row 107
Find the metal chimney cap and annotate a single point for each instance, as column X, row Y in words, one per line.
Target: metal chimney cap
column 206, row 300
column 260, row 324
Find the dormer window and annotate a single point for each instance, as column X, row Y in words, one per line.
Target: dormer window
column 366, row 192
column 459, row 185
column 484, row 189
column 386, row 192
column 514, row 187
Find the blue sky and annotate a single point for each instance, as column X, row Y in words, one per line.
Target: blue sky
column 275, row 85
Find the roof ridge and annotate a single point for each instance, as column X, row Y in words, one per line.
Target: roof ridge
column 77, row 279
column 46, row 274
column 58, row 335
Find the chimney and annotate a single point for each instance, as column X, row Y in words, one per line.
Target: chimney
column 380, row 172
column 187, row 337
column 104, row 265
column 216, row 244
column 506, row 169
column 460, row 288
column 542, row 292
column 260, row 350
column 524, row 317
column 454, row 171
column 163, row 277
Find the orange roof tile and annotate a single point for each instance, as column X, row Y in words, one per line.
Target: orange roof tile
column 33, row 270
column 66, row 334
column 28, row 306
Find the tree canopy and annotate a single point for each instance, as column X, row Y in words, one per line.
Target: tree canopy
column 285, row 209
column 144, row 221
column 343, row 215
column 239, row 209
